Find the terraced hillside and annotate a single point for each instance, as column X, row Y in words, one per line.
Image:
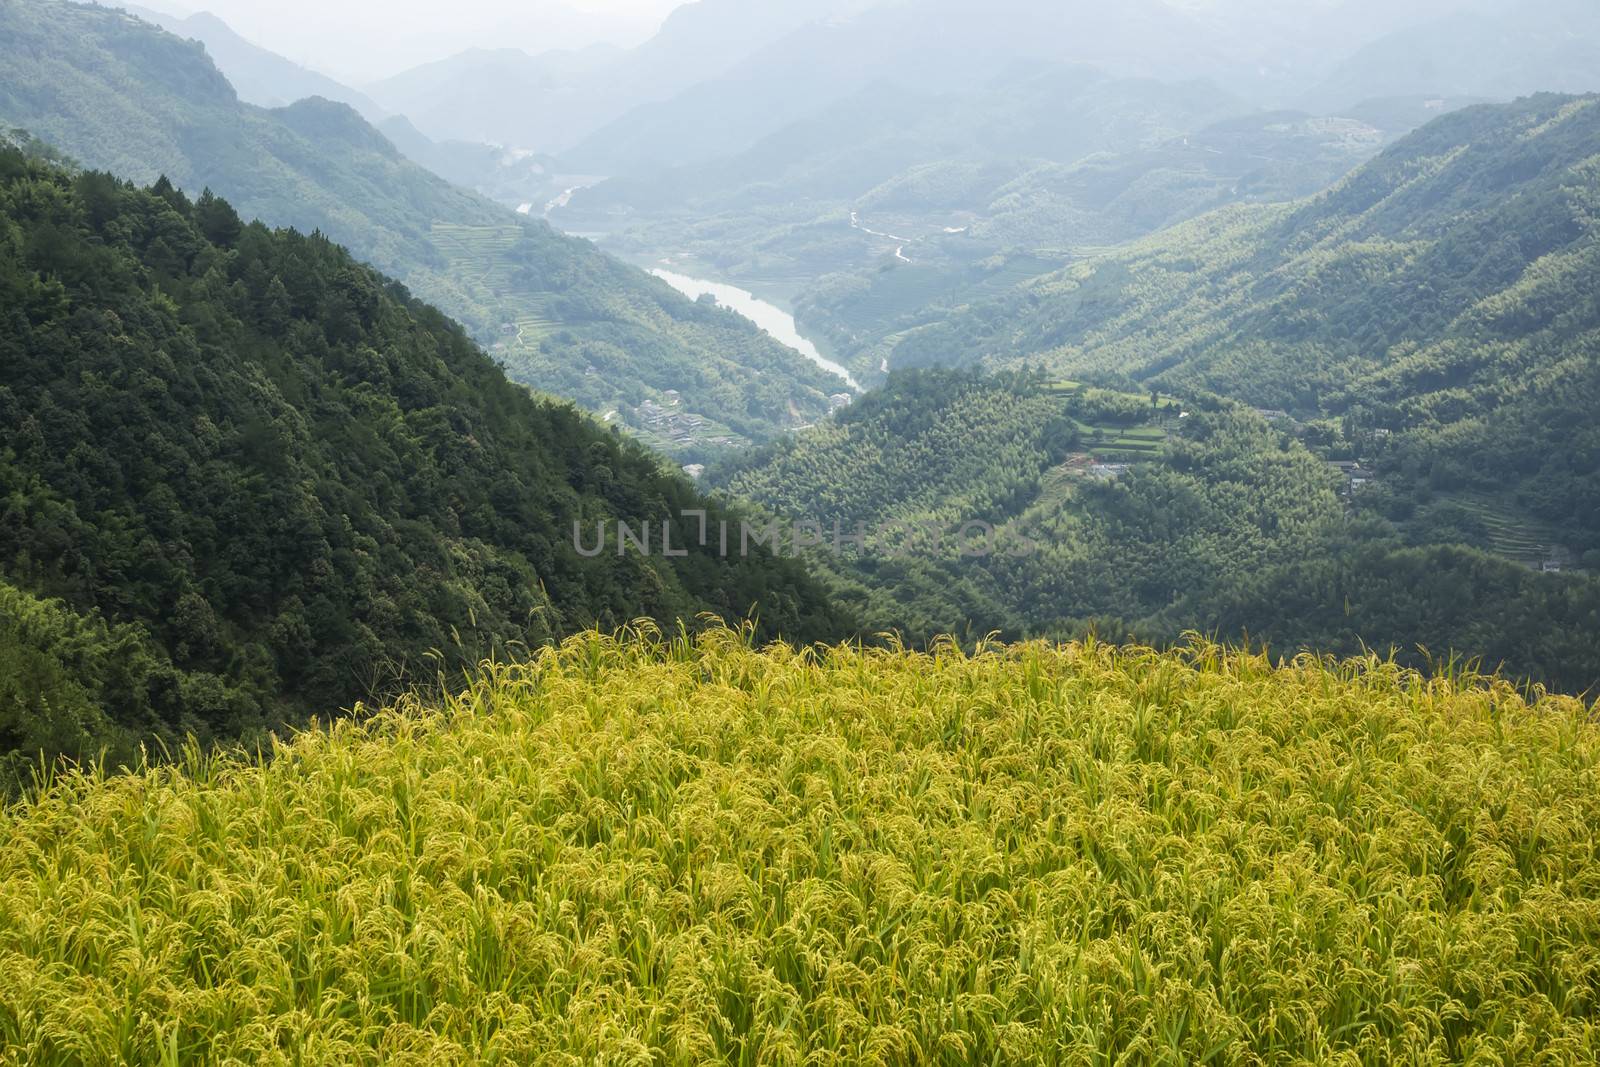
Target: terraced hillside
column 1485, row 522
column 1122, row 500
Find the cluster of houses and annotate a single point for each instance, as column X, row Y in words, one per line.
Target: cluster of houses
column 1108, row 472
column 680, row 427
column 1083, row 466
column 1556, row 560
column 1354, row 474
column 665, row 420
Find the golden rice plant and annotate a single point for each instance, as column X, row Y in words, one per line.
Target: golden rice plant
column 669, row 850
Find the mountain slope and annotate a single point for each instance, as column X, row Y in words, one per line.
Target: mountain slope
column 1027, row 506
column 1442, row 295
column 261, row 481
column 118, row 94
column 1189, row 505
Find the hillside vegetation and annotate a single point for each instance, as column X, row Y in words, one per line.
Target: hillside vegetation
column 243, row 477
column 690, row 851
column 120, row 95
column 1146, row 521
column 1442, row 294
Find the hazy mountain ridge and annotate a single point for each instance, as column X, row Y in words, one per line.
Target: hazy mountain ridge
column 926, row 46
column 119, row 94
column 259, row 76
column 1506, row 51
column 550, row 101
column 844, row 152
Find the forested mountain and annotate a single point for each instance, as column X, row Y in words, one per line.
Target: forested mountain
column 119, row 94
column 1025, row 221
column 1105, row 506
column 1122, row 512
column 244, row 479
column 1441, row 299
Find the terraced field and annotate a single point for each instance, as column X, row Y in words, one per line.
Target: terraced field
column 537, row 323
column 1509, row 534
column 1113, row 442
column 1118, row 443
column 479, row 253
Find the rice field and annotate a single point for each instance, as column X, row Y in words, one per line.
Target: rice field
column 673, row 850
column 1126, row 443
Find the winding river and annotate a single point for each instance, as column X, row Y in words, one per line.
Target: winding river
column 771, row 318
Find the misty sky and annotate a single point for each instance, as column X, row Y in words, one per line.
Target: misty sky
column 362, row 40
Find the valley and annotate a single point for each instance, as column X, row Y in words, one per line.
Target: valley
column 885, row 532
column 772, row 319
column 570, row 321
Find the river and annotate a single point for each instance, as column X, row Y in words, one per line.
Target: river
column 771, row 318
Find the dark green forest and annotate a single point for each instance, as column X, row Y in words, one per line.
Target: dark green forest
column 245, row 479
